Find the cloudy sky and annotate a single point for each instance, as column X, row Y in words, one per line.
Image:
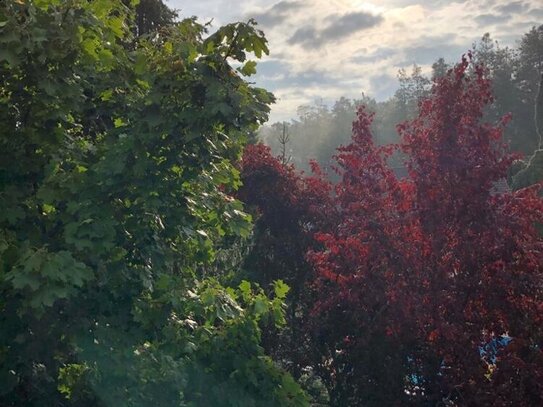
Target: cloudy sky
column 322, row 50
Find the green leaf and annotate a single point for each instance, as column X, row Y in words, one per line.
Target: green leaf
column 48, row 276
column 261, row 305
column 140, row 65
column 245, row 289
column 248, row 69
column 106, row 95
column 9, row 56
column 168, row 47
column 118, row 122
column 280, row 289
column 117, row 26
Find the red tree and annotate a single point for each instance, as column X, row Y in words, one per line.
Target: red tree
column 431, row 287
column 288, row 207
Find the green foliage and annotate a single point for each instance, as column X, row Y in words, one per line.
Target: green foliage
column 41, row 278
column 530, row 171
column 515, row 74
column 115, row 183
column 413, row 88
column 151, row 15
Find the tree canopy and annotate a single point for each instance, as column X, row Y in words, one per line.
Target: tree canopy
column 116, row 179
column 424, row 289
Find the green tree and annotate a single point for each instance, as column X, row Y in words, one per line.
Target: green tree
column 413, row 88
column 531, row 59
column 115, row 183
column 342, row 115
column 515, row 80
column 439, row 68
column 151, row 15
column 530, row 171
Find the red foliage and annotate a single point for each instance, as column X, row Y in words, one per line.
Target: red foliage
column 282, row 197
column 288, row 208
column 421, row 276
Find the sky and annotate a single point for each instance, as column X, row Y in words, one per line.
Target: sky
column 322, row 50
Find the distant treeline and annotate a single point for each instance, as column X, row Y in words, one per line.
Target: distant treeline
column 319, row 129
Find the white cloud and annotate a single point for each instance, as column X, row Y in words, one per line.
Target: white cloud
column 374, row 43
